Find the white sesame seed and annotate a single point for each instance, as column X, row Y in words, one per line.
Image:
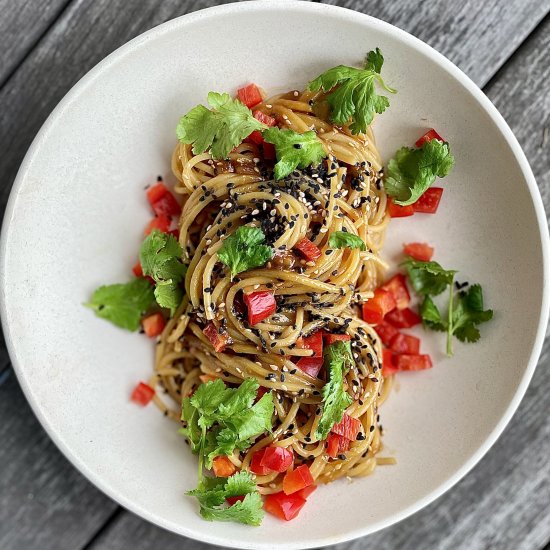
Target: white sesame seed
column 255, row 212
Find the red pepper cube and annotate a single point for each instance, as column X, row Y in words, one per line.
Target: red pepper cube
column 142, row 394
column 269, row 151
column 277, row 459
column 405, row 343
column 403, row 318
column 137, row 269
column 348, row 427
column 306, row 491
column 419, row 251
column 162, row 201
column 264, row 119
column 428, row 136
column 397, row 286
column 331, row 338
column 153, row 325
column 249, row 95
column 261, row 305
column 223, row 467
column 262, row 390
column 162, row 223
column 386, row 332
column 313, row 341
column 283, row 506
column 219, row 340
column 388, row 363
column 234, row 500
column 255, row 137
column 310, row 365
column 377, row 307
column 297, row 479
column 256, row 463
column 413, row 362
column 397, row 211
column 308, row 250
column 428, row 202
column 337, row 444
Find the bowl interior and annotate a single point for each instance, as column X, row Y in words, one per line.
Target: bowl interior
column 76, row 220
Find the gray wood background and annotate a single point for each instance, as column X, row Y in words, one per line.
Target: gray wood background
column 47, row 45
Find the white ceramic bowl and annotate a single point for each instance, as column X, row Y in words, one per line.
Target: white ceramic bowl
column 76, row 215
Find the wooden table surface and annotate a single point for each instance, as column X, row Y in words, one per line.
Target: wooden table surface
column 47, row 45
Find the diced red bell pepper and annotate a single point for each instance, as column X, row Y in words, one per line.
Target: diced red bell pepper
column 313, row 341
column 405, row 343
column 419, row 251
column 403, row 318
column 428, row 202
column 262, row 390
column 153, row 325
column 162, row 201
column 219, row 341
column 297, row 479
column 398, row 287
column 378, row 306
column 142, row 394
column 205, row 378
column 234, row 500
column 249, row 95
column 348, row 427
column 397, row 211
column 255, row 137
column 337, row 444
column 264, row 119
column 162, row 223
column 175, row 233
column 137, row 269
column 306, row 491
column 260, row 306
column 284, row 506
column 277, row 459
column 388, row 364
column 428, row 136
column 256, row 463
column 310, row 365
column 330, row 338
column 269, row 151
column 413, row 362
column 386, row 332
column 308, row 250
column 223, row 467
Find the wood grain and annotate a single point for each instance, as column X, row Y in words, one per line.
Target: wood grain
column 22, row 24
column 478, row 36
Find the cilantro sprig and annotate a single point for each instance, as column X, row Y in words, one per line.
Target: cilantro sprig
column 294, row 150
column 160, row 256
column 343, row 239
column 213, row 492
column 337, row 361
column 465, row 308
column 245, row 249
column 123, row 304
column 411, row 171
column 351, row 92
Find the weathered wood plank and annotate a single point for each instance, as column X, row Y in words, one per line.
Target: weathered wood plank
column 21, row 26
column 476, row 36
column 45, row 503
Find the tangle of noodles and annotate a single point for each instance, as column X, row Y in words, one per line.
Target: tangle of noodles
column 344, row 193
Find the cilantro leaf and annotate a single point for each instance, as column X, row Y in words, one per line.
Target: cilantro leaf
column 212, row 492
column 467, row 313
column 123, row 304
column 412, row 171
column 221, row 129
column 160, row 257
column 431, row 317
column 240, row 399
column 294, row 150
column 343, row 239
column 428, row 278
column 207, row 400
column 352, row 92
column 192, row 431
column 337, row 360
column 245, row 249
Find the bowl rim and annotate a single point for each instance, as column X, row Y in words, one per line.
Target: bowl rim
column 330, row 11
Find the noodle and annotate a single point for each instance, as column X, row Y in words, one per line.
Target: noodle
column 343, row 194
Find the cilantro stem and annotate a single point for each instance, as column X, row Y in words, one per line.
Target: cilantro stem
column 450, row 321
column 201, row 453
